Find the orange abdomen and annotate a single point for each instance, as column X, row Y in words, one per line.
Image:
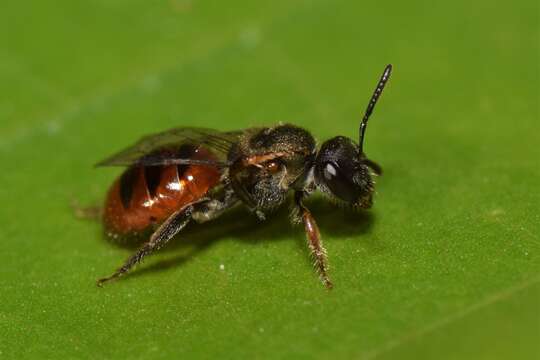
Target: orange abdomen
column 145, row 196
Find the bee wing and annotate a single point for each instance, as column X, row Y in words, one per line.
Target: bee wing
column 162, row 148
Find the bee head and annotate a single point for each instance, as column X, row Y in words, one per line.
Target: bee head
column 342, row 170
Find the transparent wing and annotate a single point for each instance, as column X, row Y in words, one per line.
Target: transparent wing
column 165, row 148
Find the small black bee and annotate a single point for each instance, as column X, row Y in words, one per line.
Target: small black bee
column 187, row 174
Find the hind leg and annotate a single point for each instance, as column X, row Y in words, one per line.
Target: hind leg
column 159, row 238
column 200, row 211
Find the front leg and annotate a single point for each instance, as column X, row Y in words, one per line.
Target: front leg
column 314, row 240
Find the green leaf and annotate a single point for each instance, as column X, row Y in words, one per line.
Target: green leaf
column 445, row 265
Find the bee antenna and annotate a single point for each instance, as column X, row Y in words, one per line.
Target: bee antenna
column 371, row 105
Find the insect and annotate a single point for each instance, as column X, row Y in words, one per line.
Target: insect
column 195, row 174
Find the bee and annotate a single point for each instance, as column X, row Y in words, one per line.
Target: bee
column 191, row 174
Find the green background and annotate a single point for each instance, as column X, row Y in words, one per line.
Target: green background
column 446, row 264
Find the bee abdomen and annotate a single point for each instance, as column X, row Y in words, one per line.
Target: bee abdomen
column 146, row 196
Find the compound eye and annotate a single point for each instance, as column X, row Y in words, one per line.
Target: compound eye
column 340, row 182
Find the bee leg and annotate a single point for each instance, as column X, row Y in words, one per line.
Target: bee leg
column 176, row 222
column 213, row 208
column 314, row 240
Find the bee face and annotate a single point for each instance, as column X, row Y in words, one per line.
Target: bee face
column 341, row 173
